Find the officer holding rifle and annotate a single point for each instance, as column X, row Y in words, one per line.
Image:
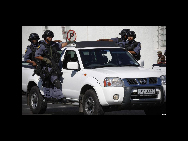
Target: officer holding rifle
column 50, row 73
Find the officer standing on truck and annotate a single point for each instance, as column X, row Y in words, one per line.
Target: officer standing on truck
column 47, row 53
column 131, row 45
column 30, row 51
column 123, row 38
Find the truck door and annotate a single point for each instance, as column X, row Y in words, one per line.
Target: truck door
column 27, row 68
column 71, row 78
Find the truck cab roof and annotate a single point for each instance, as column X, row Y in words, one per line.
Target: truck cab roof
column 85, row 44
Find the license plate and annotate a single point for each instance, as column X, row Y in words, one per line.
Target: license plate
column 146, row 91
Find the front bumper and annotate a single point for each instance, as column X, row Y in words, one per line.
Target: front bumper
column 132, row 101
column 128, row 99
column 128, row 96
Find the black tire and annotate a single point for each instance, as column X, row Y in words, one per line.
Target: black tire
column 91, row 104
column 36, row 101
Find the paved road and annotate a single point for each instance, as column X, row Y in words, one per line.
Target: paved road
column 69, row 109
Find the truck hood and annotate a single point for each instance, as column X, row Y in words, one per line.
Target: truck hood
column 125, row 72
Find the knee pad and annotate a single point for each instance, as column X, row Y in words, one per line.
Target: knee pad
column 57, row 84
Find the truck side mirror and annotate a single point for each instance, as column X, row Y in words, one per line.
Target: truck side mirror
column 72, row 66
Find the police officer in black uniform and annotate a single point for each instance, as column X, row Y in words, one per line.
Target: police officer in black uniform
column 47, row 53
column 117, row 40
column 123, row 38
column 30, row 51
column 131, row 45
column 123, row 34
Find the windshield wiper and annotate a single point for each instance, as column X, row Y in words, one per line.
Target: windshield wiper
column 110, row 65
column 130, row 65
column 101, row 66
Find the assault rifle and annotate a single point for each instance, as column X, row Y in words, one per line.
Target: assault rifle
column 38, row 70
column 55, row 68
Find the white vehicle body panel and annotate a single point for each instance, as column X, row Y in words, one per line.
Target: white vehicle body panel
column 27, row 77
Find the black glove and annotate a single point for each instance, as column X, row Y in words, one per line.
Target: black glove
column 71, row 42
column 47, row 60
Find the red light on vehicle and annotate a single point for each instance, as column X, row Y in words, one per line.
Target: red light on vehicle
column 109, row 84
column 104, row 83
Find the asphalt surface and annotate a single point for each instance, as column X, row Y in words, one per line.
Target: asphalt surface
column 69, row 109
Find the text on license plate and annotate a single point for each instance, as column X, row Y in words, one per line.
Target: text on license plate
column 146, row 91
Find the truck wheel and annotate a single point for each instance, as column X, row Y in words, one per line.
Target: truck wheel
column 36, row 101
column 91, row 104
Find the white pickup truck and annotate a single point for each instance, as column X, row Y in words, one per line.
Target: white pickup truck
column 101, row 77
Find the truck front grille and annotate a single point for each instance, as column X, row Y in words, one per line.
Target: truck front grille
column 141, row 81
column 132, row 81
column 152, row 80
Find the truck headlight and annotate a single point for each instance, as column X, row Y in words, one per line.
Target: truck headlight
column 113, row 82
column 163, row 79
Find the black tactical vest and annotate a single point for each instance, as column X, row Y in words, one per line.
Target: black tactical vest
column 130, row 47
column 51, row 53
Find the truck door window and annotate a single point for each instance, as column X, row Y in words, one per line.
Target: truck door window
column 70, row 56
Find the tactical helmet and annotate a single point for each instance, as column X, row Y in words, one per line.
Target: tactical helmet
column 33, row 36
column 123, row 33
column 48, row 33
column 131, row 34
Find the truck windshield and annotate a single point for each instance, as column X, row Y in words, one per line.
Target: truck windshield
column 107, row 57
